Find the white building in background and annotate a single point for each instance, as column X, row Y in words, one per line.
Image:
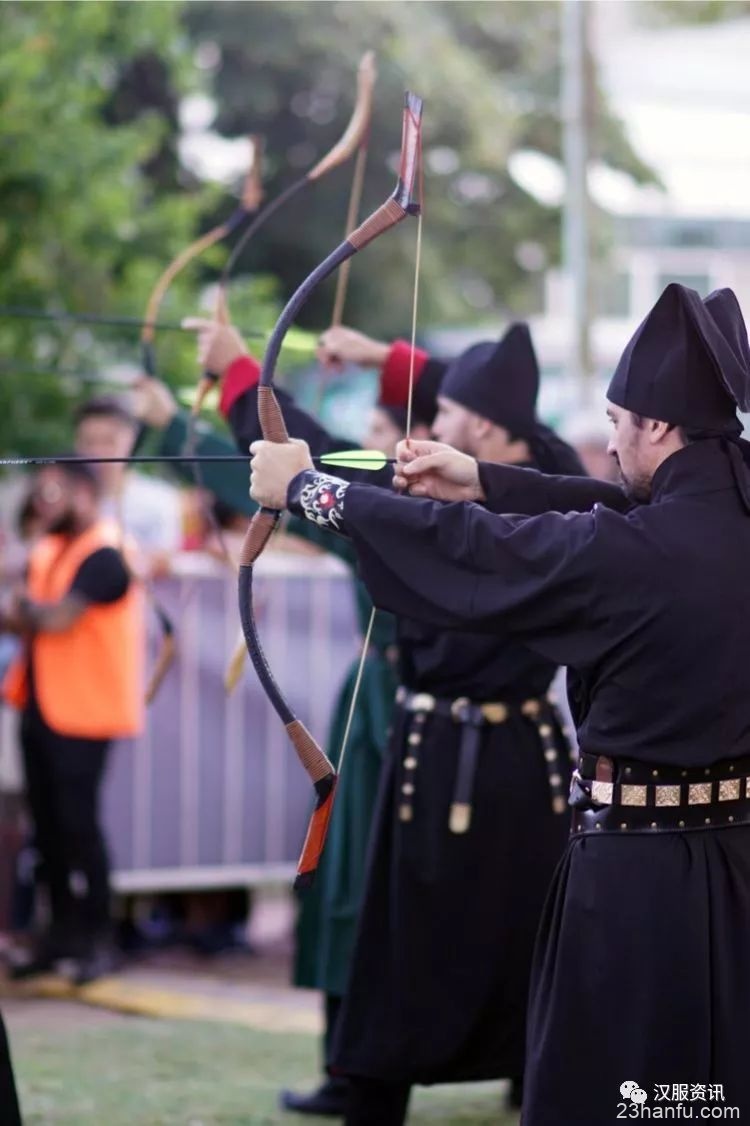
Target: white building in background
column 648, row 253
column 683, row 94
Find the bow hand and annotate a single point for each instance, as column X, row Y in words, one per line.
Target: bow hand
column 219, row 345
column 154, row 405
column 340, row 345
column 274, row 467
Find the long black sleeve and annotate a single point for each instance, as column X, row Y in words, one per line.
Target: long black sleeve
column 509, row 489
column 545, row 579
column 245, row 425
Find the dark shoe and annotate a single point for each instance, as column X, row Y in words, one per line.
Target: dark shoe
column 39, row 957
column 330, row 1100
column 26, row 964
column 220, row 938
column 515, row 1095
column 103, row 961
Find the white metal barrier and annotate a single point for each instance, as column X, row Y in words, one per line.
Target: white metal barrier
column 212, row 794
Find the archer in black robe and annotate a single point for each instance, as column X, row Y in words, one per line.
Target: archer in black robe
column 643, row 964
column 439, row 979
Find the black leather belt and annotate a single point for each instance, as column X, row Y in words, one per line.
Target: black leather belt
column 473, row 717
column 626, row 795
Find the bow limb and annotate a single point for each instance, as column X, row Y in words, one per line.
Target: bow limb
column 359, row 123
column 319, row 768
column 355, row 198
column 252, row 194
column 353, row 137
column 342, row 280
column 358, row 132
column 250, row 200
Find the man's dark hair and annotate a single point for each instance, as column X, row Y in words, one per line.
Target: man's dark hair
column 104, row 406
column 639, row 420
column 25, row 515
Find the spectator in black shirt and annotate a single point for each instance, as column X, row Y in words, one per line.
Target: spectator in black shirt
column 78, row 686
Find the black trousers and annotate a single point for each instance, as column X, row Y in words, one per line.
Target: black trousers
column 332, row 1010
column 63, row 782
column 370, row 1102
column 10, row 1114
column 374, row 1103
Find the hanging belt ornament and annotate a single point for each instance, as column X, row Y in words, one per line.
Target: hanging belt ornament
column 388, row 215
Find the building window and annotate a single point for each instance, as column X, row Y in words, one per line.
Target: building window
column 612, row 296
column 699, row 282
column 692, row 234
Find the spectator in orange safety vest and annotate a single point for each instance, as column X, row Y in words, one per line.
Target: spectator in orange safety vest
column 78, row 686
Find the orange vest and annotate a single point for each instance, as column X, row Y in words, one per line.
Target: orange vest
column 88, row 680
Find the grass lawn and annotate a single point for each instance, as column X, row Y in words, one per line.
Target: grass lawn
column 137, row 1072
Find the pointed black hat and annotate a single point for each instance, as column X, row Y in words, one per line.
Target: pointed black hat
column 688, row 362
column 499, row 381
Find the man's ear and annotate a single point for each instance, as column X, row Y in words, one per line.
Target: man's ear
column 657, row 430
column 481, row 426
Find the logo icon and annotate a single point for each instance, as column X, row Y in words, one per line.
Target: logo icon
column 630, row 1090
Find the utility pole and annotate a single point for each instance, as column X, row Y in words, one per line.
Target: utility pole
column 576, row 241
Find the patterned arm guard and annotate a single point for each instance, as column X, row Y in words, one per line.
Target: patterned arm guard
column 320, row 498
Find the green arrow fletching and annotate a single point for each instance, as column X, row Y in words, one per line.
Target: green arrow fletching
column 355, row 459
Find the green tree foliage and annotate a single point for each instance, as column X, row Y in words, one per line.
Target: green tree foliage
column 489, row 73
column 92, row 201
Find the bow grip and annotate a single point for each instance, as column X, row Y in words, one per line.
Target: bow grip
column 257, row 535
column 265, row 520
column 271, row 419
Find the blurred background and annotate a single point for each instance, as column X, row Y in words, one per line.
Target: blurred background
column 125, row 132
column 578, row 156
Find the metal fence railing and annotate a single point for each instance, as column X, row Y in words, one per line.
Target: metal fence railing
column 212, row 794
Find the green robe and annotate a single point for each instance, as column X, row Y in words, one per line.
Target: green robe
column 328, row 912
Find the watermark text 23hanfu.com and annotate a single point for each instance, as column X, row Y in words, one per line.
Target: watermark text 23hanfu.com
column 672, row 1102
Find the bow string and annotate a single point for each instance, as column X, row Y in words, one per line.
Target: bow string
column 396, row 208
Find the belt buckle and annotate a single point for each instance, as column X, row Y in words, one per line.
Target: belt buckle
column 421, row 702
column 494, row 713
column 460, row 709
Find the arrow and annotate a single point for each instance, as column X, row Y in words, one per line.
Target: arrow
column 23, row 313
column 372, row 460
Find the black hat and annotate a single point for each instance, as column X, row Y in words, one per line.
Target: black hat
column 688, row 362
column 498, row 381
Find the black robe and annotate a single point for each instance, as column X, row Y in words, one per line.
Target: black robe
column 642, row 970
column 439, row 981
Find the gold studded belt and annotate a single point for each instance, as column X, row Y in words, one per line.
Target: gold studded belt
column 472, row 717
column 627, row 795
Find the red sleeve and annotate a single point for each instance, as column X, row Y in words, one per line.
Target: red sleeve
column 394, row 375
column 242, row 375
